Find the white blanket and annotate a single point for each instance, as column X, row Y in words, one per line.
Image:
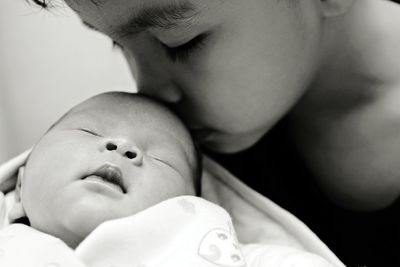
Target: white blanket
column 183, row 231
column 256, row 220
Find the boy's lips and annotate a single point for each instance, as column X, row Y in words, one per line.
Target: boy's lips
column 108, row 173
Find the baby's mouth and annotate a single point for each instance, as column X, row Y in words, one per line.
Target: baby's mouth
column 110, row 174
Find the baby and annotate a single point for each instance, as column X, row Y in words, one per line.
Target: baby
column 109, row 157
column 115, row 179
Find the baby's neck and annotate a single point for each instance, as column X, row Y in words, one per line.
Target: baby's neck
column 72, row 240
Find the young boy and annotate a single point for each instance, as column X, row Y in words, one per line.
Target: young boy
column 114, row 178
column 234, row 68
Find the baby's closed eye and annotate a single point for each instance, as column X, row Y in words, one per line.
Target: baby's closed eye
column 89, row 131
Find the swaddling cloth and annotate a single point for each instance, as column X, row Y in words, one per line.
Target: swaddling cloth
column 183, row 231
column 256, row 218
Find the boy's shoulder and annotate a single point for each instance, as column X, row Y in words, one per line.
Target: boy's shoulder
column 348, row 125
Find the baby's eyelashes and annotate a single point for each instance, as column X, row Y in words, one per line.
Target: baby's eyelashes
column 166, row 163
column 162, row 161
column 90, row 132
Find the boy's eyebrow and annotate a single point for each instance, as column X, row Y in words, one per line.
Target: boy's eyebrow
column 166, row 16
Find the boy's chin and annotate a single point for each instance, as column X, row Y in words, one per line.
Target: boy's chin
column 230, row 144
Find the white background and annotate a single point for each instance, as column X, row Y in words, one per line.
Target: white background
column 48, row 63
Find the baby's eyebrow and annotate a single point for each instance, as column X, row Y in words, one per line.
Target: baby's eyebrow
column 165, row 16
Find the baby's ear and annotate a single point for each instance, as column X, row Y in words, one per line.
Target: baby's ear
column 332, row 8
column 18, row 211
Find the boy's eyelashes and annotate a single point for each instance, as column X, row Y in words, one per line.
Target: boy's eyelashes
column 184, row 51
column 178, row 53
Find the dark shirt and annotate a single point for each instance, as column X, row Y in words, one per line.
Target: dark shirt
column 274, row 168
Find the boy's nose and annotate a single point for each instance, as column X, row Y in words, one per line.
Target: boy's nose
column 125, row 148
column 170, row 94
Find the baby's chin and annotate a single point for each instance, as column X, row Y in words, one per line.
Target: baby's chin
column 74, row 233
column 77, row 224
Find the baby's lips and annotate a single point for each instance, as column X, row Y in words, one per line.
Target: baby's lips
column 111, row 173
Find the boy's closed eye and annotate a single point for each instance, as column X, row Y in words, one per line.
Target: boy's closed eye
column 183, row 52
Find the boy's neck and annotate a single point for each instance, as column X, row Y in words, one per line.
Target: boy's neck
column 361, row 48
column 359, row 61
column 349, row 116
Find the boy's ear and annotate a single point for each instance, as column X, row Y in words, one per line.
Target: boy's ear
column 332, row 8
column 18, row 211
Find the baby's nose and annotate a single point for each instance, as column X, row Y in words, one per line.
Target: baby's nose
column 125, row 148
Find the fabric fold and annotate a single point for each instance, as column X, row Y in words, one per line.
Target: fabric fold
column 256, row 219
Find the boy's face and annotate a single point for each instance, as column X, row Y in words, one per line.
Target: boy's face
column 108, row 158
column 232, row 68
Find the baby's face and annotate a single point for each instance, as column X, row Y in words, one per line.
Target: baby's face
column 110, row 157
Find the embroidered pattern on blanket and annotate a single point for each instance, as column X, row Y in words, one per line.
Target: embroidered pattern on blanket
column 221, row 247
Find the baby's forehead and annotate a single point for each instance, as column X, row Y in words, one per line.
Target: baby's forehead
column 126, row 107
column 134, row 113
column 142, row 119
column 128, row 111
